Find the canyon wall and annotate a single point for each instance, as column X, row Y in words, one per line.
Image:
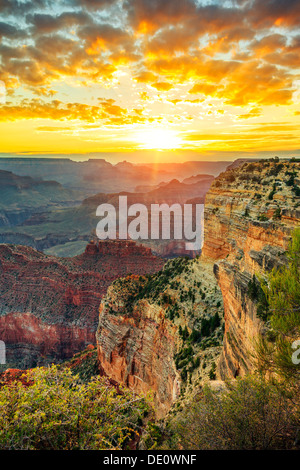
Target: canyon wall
column 250, row 213
column 49, row 306
column 136, row 346
column 150, row 336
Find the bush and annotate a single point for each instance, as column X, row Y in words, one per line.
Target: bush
column 277, row 214
column 230, row 177
column 212, row 372
column 59, row 412
column 257, row 294
column 271, row 195
column 250, row 414
column 263, row 218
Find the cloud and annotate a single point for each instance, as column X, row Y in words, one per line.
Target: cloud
column 145, row 77
column 236, row 52
column 54, row 128
column 263, row 84
column 205, row 88
column 107, row 112
column 95, row 4
column 272, row 137
column 148, row 15
column 284, row 13
column 162, row 86
column 9, row 31
column 19, row 8
column 45, row 23
column 254, row 112
column 103, row 37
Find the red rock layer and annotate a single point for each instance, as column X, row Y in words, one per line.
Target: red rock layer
column 49, row 306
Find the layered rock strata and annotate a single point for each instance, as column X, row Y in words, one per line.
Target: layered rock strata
column 49, row 306
column 250, row 213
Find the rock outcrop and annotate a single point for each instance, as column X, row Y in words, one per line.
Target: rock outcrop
column 151, row 336
column 136, row 347
column 49, row 306
column 250, row 213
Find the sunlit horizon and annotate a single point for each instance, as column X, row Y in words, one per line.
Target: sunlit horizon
column 204, row 78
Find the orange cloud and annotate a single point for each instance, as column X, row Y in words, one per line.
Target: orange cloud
column 205, row 88
column 254, row 112
column 238, row 54
column 162, row 86
column 107, row 113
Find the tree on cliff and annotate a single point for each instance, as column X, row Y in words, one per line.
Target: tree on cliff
column 282, row 290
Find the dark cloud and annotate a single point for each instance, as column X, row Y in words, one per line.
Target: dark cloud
column 10, row 31
column 275, row 12
column 95, row 4
column 148, row 15
column 18, row 8
column 45, row 23
column 97, row 38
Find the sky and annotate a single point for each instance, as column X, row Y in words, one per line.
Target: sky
column 203, row 79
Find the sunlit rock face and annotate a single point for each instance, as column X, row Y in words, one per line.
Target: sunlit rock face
column 136, row 346
column 250, row 213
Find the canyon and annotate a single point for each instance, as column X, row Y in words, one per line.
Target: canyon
column 49, row 306
column 158, row 331
column 250, row 213
column 163, row 327
column 97, row 175
column 46, row 227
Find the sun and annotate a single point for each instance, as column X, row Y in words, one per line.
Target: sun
column 158, row 139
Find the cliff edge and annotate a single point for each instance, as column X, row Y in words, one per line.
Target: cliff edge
column 250, row 213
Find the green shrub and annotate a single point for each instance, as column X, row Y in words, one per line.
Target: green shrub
column 257, row 294
column 59, row 412
column 282, row 291
column 263, row 218
column 249, row 414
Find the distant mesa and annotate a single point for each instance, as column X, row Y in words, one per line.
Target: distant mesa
column 121, row 248
column 198, row 178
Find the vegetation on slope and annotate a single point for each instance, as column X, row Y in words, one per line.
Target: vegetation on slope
column 282, row 293
column 249, row 414
column 57, row 411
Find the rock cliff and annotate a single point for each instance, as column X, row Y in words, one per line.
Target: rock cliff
column 163, row 332
column 250, row 212
column 49, row 306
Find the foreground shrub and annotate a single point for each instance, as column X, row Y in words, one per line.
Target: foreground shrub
column 249, row 414
column 58, row 411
